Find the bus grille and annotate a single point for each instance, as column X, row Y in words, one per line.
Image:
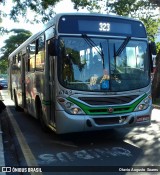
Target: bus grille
column 108, row 100
column 117, row 110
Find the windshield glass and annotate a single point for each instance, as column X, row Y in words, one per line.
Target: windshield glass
column 98, row 67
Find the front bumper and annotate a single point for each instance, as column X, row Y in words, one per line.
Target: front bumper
column 66, row 123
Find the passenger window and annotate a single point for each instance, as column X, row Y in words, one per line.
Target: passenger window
column 14, row 59
column 32, row 49
column 19, row 60
column 40, row 53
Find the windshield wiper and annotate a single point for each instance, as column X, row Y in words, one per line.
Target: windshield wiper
column 122, row 46
column 93, row 44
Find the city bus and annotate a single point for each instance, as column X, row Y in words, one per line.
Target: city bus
column 84, row 72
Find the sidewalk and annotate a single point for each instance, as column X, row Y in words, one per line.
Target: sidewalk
column 156, row 106
column 2, row 160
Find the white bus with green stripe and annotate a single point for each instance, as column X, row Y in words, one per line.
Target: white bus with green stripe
column 85, row 72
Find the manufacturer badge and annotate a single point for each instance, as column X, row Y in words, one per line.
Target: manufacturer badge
column 110, row 110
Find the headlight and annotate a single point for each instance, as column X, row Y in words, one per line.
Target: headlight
column 144, row 104
column 75, row 110
column 70, row 107
column 142, row 107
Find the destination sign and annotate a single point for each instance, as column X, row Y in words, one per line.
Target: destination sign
column 101, row 25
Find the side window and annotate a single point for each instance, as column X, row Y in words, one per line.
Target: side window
column 19, row 60
column 40, row 53
column 32, row 49
column 14, row 65
column 14, row 60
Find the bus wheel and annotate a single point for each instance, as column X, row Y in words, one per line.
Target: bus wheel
column 17, row 108
column 41, row 119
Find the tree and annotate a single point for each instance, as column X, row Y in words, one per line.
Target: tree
column 92, row 5
column 2, row 14
column 156, row 80
column 142, row 10
column 42, row 8
column 3, row 66
column 16, row 39
column 156, row 2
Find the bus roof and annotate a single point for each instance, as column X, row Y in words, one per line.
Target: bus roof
column 56, row 19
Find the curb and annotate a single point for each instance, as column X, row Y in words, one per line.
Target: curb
column 2, row 159
column 156, row 106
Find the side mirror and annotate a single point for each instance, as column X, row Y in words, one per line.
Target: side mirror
column 152, row 46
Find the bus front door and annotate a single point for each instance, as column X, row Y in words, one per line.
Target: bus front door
column 52, row 91
column 23, row 82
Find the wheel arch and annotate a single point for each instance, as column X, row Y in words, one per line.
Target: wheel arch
column 38, row 105
column 40, row 113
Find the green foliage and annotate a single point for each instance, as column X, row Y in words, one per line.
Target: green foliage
column 156, row 2
column 3, row 66
column 2, row 15
column 16, row 39
column 19, row 36
column 90, row 5
column 133, row 8
column 151, row 25
column 158, row 47
column 3, row 31
column 123, row 7
column 142, row 10
column 42, row 8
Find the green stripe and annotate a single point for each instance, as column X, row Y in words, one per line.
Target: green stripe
column 103, row 110
column 46, row 102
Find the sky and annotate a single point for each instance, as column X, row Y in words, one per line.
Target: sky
column 59, row 8
column 62, row 6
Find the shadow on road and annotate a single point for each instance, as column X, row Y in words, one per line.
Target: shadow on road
column 2, row 106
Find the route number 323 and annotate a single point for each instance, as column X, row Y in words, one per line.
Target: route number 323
column 104, row 27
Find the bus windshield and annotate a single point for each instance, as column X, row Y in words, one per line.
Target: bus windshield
column 100, row 66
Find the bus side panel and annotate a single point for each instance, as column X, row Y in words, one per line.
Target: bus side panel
column 16, row 80
column 23, row 68
column 9, row 78
column 29, row 79
column 21, row 82
column 34, row 88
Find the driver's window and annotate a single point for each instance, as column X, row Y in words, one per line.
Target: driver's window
column 131, row 57
column 135, row 57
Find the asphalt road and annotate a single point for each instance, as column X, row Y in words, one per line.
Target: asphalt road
column 93, row 153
